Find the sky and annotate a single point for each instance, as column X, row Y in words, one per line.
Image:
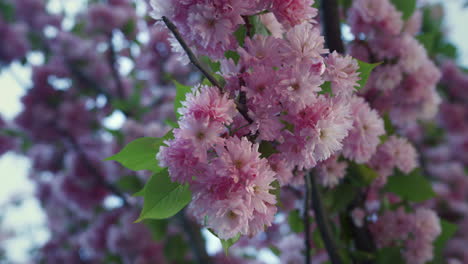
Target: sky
column 27, row 219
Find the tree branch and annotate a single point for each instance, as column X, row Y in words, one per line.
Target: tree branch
column 89, row 165
column 331, row 25
column 114, row 70
column 192, row 57
column 321, row 220
column 197, row 241
column 307, row 199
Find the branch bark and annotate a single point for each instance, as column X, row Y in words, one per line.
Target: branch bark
column 197, row 242
column 331, row 25
column 321, row 220
column 307, row 199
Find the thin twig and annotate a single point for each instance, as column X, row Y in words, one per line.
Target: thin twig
column 322, row 223
column 192, row 57
column 307, row 199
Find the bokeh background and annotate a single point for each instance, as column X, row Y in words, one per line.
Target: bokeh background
column 21, row 212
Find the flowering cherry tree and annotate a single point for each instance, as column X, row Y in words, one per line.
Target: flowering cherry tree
column 250, row 120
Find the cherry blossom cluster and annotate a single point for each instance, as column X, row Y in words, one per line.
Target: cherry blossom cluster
column 415, row 232
column 281, row 81
column 447, row 160
column 210, row 25
column 404, row 86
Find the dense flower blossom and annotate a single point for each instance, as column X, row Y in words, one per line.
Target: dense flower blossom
column 15, row 35
column 235, row 193
column 342, row 72
column 417, row 230
column 331, row 171
column 364, row 137
column 404, row 86
column 394, row 153
column 294, row 12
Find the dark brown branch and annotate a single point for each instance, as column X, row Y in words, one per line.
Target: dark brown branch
column 197, row 242
column 307, row 199
column 321, row 220
column 331, row 25
column 192, row 57
column 362, row 236
column 248, row 26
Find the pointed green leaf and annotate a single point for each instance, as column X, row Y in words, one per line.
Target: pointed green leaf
column 267, row 149
column 140, row 154
column 181, row 91
column 227, row 243
column 412, row 187
column 326, row 89
column 163, row 198
column 406, row 7
column 448, row 230
column 129, row 183
column 365, row 70
column 295, row 221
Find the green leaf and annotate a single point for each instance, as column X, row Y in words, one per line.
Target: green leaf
column 140, row 154
column 287, row 126
column 175, row 248
column 227, row 243
column 232, row 55
column 267, row 149
column 276, row 191
column 258, row 27
column 171, row 123
column 317, row 238
column 412, row 187
column 181, row 91
column 448, row 230
column 389, row 128
column 365, row 70
column 163, row 198
column 428, row 41
column 214, row 65
column 129, row 183
column 240, row 35
column 326, row 89
column 448, row 50
column 7, row 11
column 275, row 250
column 361, row 175
column 342, row 196
column 295, row 221
column 407, row 7
column 158, row 228
column 389, row 256
column 130, row 27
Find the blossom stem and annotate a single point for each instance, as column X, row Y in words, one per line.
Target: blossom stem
column 320, row 217
column 190, row 54
column 307, row 199
column 331, row 25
